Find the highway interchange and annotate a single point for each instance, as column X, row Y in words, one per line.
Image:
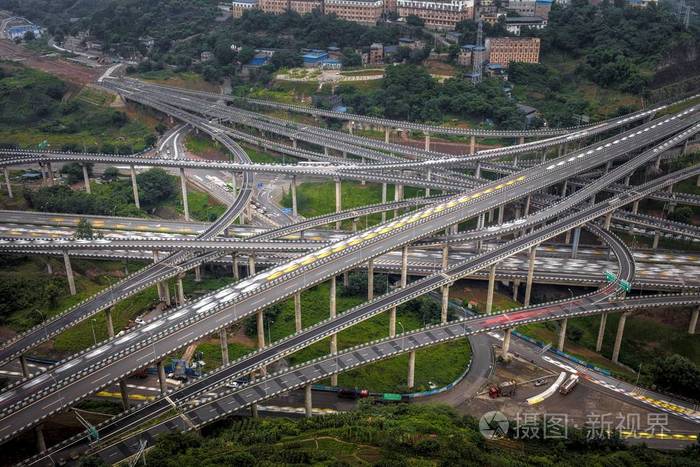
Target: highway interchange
column 612, row 150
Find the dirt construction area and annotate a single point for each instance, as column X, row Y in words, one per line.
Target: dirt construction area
column 71, row 72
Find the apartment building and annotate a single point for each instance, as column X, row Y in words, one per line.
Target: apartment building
column 503, row 50
column 359, row 11
column 438, row 14
column 238, row 7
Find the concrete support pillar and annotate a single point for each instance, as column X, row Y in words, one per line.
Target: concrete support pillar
column 501, row 213
column 697, row 180
column 515, row 161
column 370, row 280
column 9, row 186
column 489, row 293
column 693, row 321
column 180, row 291
column 655, row 244
column 234, row 267
column 297, row 311
column 477, row 173
column 563, row 188
column 608, row 220
column 601, row 331
column 110, row 323
column 608, row 166
column 293, row 188
column 183, row 185
column 251, row 265
column 411, row 369
column 427, row 189
column 294, row 143
column 86, row 178
column 445, row 303
column 334, row 337
column 506, row 344
column 635, row 207
column 124, row 393
column 69, row 273
column 574, row 247
column 234, row 188
column 386, row 134
column 657, row 164
column 472, row 145
column 166, row 291
column 530, row 272
column 567, row 237
column 338, row 201
column 223, row 342
column 25, row 366
column 490, row 216
column 135, row 188
column 383, row 201
column 404, row 266
column 562, row 333
column 49, row 173
column 627, row 180
column 445, row 257
column 162, row 382
column 308, row 403
column 325, row 150
column 521, row 140
column 516, row 286
column 260, row 328
column 427, row 141
column 527, row 205
column 618, row 337
column 198, row 274
column 40, row 441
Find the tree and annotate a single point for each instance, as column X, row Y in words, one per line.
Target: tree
column 413, row 20
column 351, row 58
column 74, row 172
column 678, row 375
column 29, row 36
column 84, row 229
column 155, row 186
column 682, row 214
column 110, row 174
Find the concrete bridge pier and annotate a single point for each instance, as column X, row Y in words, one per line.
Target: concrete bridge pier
column 387, row 133
column 49, row 267
column 601, row 332
column 162, row 382
column 223, row 342
column 135, row 188
column 577, row 237
column 325, row 151
column 427, row 189
column 338, row 201
column 49, row 173
column 618, row 336
column 9, row 187
column 635, row 207
column 86, row 178
column 110, row 323
column 693, row 321
column 69, row 273
column 294, row 143
column 25, row 366
column 530, row 272
column 515, row 161
column 234, row 187
column 627, row 179
column 40, row 441
column 528, row 201
column 334, row 337
column 567, row 237
column 544, row 156
column 562, row 333
column 411, row 369
column 123, row 390
column 293, row 188
column 492, row 283
column 234, row 267
column 506, row 344
column 657, row 164
column 521, row 140
column 427, row 141
column 297, row 311
column 657, row 236
column 183, row 185
column 444, row 303
column 370, row 280
column 472, row 145
column 198, row 274
column 477, row 173
column 308, row 403
column 383, row 201
column 180, row 290
column 608, row 221
column 564, row 187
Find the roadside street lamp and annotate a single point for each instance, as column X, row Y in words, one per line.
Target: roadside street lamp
column 92, row 325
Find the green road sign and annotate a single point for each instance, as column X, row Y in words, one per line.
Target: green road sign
column 610, row 277
column 43, row 145
column 391, row 397
column 624, row 285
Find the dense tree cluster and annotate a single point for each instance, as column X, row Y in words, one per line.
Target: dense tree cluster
column 403, row 434
column 20, row 292
column 678, row 375
column 408, row 92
